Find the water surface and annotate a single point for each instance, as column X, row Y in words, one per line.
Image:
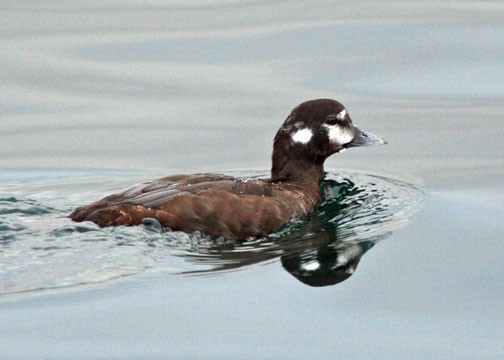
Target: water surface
column 97, row 96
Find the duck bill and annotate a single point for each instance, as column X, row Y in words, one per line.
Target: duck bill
column 363, row 138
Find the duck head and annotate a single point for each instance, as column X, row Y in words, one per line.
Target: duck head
column 312, row 132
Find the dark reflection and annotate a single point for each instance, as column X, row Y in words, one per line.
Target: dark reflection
column 327, row 262
column 325, row 248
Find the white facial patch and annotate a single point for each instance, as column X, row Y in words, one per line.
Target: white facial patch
column 337, row 135
column 342, row 260
column 341, row 115
column 302, row 136
column 310, row 266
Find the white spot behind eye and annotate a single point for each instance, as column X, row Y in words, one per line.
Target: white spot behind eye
column 302, row 136
column 337, row 135
column 341, row 115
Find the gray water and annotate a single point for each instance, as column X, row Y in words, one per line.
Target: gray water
column 97, row 96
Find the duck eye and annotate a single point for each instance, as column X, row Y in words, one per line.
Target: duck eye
column 332, row 120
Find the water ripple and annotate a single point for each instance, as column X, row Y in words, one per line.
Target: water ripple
column 41, row 249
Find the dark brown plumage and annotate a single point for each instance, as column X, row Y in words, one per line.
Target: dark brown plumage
column 221, row 205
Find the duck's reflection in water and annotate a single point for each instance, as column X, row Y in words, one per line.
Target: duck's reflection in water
column 326, row 248
column 324, row 262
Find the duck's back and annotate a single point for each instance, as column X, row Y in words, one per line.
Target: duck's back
column 211, row 203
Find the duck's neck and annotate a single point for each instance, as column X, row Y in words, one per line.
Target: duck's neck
column 299, row 171
column 293, row 163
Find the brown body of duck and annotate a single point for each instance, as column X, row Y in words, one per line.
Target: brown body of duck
column 221, row 205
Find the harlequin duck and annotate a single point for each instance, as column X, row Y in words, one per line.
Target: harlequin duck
column 220, row 205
